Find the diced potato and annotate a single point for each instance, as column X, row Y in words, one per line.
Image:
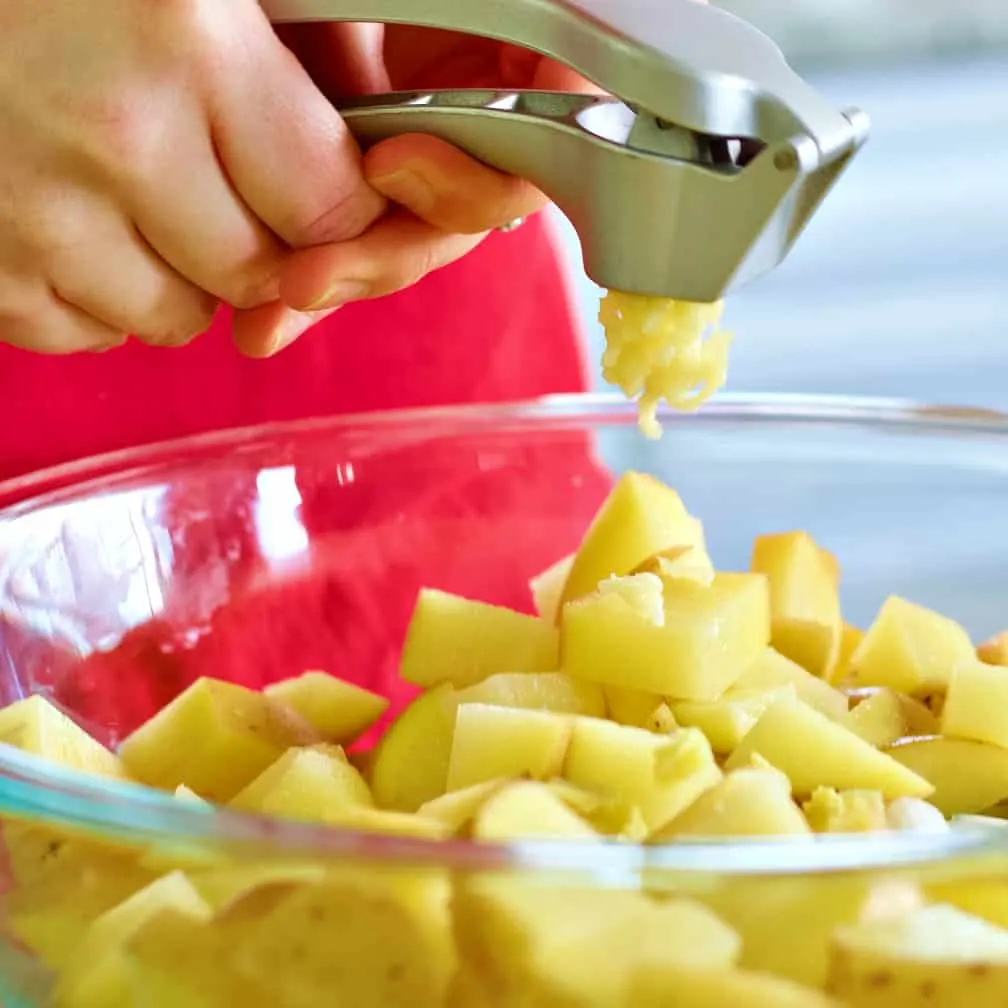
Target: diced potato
column 225, row 885
column 378, row 938
column 455, row 809
column 707, row 638
column 215, row 737
column 339, row 711
column 661, row 985
column 910, row 649
column 659, row 774
column 976, row 704
column 96, row 974
column 35, row 726
column 984, row 896
column 630, row 707
column 411, row 762
column 772, row 670
column 745, row 802
column 727, row 720
column 968, row 777
column 855, row 811
column 850, row 638
column 528, row 810
column 814, row 751
column 547, row 588
column 389, row 823
column 881, row 715
column 493, row 742
column 804, row 604
column 679, row 562
column 313, row 784
column 606, row 814
column 937, row 955
column 537, row 944
column 640, row 517
column 994, row 651
column 456, row 640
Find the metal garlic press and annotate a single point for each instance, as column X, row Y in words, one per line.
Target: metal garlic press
column 697, row 175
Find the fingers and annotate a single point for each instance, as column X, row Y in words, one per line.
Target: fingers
column 393, row 254
column 35, row 318
column 283, row 144
column 445, row 187
column 262, row 332
column 123, row 284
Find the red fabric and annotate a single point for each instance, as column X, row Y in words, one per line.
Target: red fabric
column 497, row 325
column 477, row 521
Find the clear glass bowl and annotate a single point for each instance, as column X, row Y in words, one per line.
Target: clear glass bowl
column 253, row 555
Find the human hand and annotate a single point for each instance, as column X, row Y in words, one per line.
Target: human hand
column 444, row 202
column 158, row 158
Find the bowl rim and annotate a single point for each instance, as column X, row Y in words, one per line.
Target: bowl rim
column 42, row 487
column 34, row 791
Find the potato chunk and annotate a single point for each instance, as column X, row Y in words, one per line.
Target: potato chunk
column 910, row 649
column 804, row 603
column 456, row 640
column 528, row 810
column 35, row 726
column 976, row 704
column 706, row 638
column 492, row 742
column 936, row 955
column 640, row 517
column 339, row 711
column 814, row 751
column 772, row 670
column 215, row 737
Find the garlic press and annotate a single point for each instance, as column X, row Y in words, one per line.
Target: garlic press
column 696, row 173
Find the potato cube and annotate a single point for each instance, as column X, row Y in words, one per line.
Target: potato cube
column 630, row 707
column 913, row 815
column 854, row 811
column 455, row 809
column 97, row 974
column 976, row 704
column 604, row 813
column 640, row 517
column 707, row 637
column 968, row 777
column 850, row 638
column 311, row 784
column 410, row 765
column 880, row 716
column 339, row 711
column 493, row 742
column 745, row 802
column 995, row 650
column 814, row 751
column 35, row 726
column 538, row 944
column 659, row 774
column 679, row 562
column 936, row 955
column 804, row 603
column 727, row 720
column 547, row 589
column 453, row 639
column 214, row 737
column 528, row 810
column 661, row 985
column 772, row 670
column 910, row 649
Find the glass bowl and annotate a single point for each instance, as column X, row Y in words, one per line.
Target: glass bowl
column 256, row 554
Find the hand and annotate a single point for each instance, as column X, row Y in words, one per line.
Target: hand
column 444, row 201
column 158, row 158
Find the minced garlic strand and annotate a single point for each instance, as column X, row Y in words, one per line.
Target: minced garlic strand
column 659, row 349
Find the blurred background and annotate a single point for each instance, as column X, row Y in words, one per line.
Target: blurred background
column 900, row 284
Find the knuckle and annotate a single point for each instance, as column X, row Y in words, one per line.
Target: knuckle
column 346, row 216
column 189, row 316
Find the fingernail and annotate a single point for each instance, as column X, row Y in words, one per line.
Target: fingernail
column 406, row 187
column 339, row 293
column 293, row 327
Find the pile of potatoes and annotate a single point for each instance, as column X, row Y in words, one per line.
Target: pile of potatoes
column 651, row 700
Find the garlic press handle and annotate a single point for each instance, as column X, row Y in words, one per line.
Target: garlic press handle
column 685, row 62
